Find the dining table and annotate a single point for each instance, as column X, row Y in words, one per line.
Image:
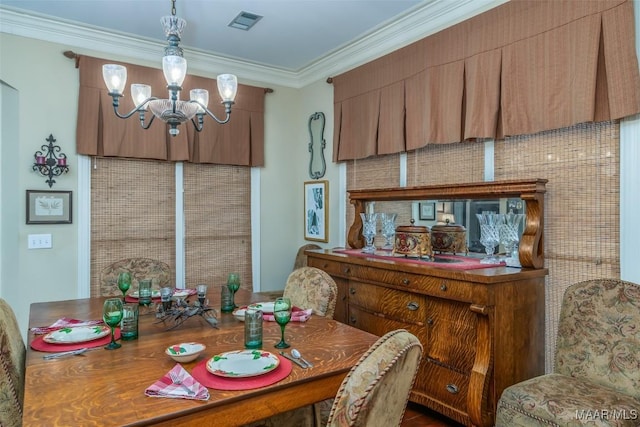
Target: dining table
column 107, row 387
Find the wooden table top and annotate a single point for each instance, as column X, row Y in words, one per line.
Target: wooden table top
column 106, row 388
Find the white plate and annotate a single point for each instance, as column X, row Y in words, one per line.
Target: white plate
column 181, row 293
column 76, row 334
column 155, row 293
column 239, row 314
column 242, row 363
column 265, row 307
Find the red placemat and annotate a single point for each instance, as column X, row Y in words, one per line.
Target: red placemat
column 39, row 344
column 209, row 380
column 134, row 299
column 453, row 262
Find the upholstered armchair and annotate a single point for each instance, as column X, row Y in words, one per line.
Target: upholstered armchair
column 596, row 377
column 310, row 287
column 12, row 358
column 140, row 268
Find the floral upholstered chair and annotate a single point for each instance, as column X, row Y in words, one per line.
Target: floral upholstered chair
column 596, row 378
column 301, row 258
column 376, row 390
column 374, row 393
column 12, row 357
column 310, row 287
column 140, row 268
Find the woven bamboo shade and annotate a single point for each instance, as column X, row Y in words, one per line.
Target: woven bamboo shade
column 582, row 238
column 217, row 207
column 373, row 172
column 446, row 164
column 581, row 228
column 132, row 213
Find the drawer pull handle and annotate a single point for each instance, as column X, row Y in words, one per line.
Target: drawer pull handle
column 413, row 306
column 352, row 291
column 443, row 287
column 405, row 281
column 430, row 321
column 452, row 388
column 352, row 320
column 347, row 270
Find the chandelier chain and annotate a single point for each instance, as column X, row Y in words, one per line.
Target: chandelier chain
column 173, row 7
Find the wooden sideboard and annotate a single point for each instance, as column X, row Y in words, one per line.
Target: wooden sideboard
column 482, row 330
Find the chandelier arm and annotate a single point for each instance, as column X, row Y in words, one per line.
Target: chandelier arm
column 199, row 125
column 145, row 127
column 227, row 111
column 116, row 104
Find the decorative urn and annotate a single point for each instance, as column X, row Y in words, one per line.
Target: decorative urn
column 413, row 241
column 449, row 238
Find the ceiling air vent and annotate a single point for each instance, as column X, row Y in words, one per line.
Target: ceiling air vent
column 245, row 20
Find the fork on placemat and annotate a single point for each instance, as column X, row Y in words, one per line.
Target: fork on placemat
column 176, row 380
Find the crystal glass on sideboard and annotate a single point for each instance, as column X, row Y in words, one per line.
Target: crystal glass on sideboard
column 369, row 223
column 490, row 223
column 388, row 221
column 510, row 237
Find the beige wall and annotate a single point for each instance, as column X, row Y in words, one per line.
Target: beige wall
column 43, row 85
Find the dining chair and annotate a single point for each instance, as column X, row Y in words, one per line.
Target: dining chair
column 301, row 258
column 140, row 268
column 12, row 360
column 374, row 393
column 310, row 287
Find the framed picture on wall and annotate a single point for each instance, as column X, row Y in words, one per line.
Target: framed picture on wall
column 316, row 211
column 49, row 207
column 427, row 211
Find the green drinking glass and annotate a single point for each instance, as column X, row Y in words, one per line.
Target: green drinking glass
column 124, row 283
column 282, row 315
column 233, row 283
column 112, row 316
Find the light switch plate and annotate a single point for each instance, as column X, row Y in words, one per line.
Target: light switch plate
column 39, row 241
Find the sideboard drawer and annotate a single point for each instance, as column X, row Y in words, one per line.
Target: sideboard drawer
column 448, row 386
column 376, row 325
column 332, row 267
column 391, row 303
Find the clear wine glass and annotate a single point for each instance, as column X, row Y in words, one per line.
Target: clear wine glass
column 112, row 316
column 282, row 314
column 233, row 283
column 388, row 221
column 510, row 236
column 369, row 222
column 490, row 234
column 124, row 283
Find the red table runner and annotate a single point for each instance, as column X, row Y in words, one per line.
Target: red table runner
column 209, row 380
column 453, row 262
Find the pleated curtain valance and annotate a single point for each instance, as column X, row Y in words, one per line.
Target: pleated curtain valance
column 521, row 68
column 100, row 133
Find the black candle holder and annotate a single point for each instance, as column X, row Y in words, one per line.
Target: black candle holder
column 50, row 162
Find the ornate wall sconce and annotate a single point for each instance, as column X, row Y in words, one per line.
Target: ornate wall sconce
column 49, row 163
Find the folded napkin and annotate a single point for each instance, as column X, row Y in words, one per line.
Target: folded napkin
column 164, row 387
column 64, row 322
column 297, row 315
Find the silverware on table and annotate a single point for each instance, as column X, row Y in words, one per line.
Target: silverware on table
column 176, row 380
column 296, row 361
column 64, row 353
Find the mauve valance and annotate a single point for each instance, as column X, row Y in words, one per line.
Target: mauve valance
column 524, row 67
column 100, row 133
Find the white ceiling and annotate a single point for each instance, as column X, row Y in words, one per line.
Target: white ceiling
column 293, row 36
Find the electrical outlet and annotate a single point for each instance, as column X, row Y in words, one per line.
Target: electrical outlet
column 39, row 241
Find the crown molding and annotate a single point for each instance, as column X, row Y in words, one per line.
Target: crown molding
column 427, row 19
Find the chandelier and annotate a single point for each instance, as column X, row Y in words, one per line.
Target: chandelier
column 173, row 111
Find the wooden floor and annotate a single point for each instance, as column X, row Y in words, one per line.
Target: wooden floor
column 419, row 416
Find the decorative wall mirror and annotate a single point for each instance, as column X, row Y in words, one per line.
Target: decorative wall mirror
column 317, row 164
